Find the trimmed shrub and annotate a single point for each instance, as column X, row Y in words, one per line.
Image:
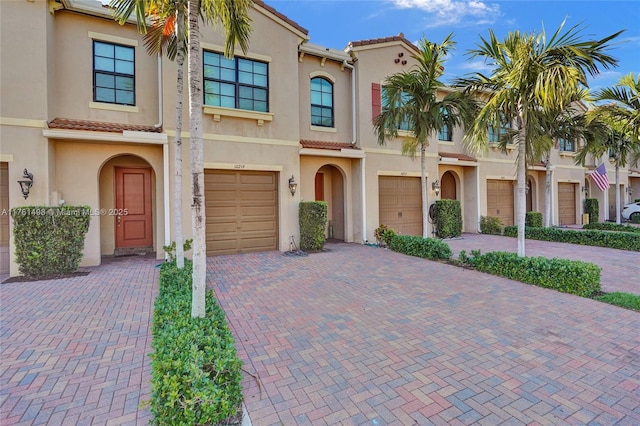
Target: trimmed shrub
column 592, row 208
column 618, row 240
column 490, row 225
column 635, row 218
column 447, row 218
column 313, row 222
column 49, row 240
column 428, row 248
column 195, row 372
column 533, row 219
column 608, row 226
column 567, row 276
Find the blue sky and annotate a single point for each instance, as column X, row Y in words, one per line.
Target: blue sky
column 333, row 23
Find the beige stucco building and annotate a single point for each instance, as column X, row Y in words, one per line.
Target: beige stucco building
column 91, row 115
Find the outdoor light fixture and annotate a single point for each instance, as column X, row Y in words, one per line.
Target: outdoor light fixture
column 436, row 187
column 292, row 186
column 585, row 189
column 25, row 183
column 629, row 190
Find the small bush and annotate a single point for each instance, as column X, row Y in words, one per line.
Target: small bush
column 618, row 240
column 592, row 208
column 428, row 248
column 490, row 225
column 635, row 218
column 533, row 219
column 447, row 218
column 313, row 222
column 608, row 226
column 567, row 276
column 383, row 234
column 195, row 371
column 49, row 240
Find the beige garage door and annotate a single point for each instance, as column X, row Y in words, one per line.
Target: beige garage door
column 242, row 211
column 4, row 218
column 567, row 203
column 500, row 200
column 401, row 204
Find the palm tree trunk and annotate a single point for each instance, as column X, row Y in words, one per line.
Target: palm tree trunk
column 547, row 193
column 521, row 193
column 177, row 158
column 197, row 166
column 423, row 187
column 617, row 191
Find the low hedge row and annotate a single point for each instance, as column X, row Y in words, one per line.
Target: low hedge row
column 567, row 276
column 428, row 248
column 608, row 226
column 618, row 240
column 195, row 371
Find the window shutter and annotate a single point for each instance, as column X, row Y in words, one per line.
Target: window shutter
column 376, row 102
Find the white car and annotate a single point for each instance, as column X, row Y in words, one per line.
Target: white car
column 631, row 211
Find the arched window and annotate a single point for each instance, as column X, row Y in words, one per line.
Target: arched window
column 321, row 102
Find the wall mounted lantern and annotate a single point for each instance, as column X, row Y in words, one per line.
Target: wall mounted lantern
column 585, row 189
column 292, row 186
column 25, row 183
column 436, row 187
column 629, row 190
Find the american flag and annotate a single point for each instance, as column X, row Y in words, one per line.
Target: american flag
column 599, row 176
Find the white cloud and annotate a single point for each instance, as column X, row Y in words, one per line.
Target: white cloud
column 448, row 12
column 476, row 66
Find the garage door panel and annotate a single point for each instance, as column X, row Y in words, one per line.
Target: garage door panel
column 242, row 212
column 400, row 204
column 500, row 200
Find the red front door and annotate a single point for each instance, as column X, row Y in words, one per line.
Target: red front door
column 133, row 207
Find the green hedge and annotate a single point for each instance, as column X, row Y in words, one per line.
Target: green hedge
column 618, row 240
column 567, row 276
column 447, row 218
column 49, row 240
column 313, row 222
column 428, row 248
column 195, row 371
column 592, row 208
column 608, row 226
column 490, row 225
column 533, row 219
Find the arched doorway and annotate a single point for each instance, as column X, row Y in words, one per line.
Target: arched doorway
column 329, row 187
column 448, row 186
column 126, row 206
column 530, row 194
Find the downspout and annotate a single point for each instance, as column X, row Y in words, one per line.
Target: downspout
column 165, row 162
column 363, row 174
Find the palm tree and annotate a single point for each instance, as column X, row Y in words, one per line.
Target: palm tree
column 530, row 76
column 233, row 16
column 622, row 113
column 167, row 35
column 410, row 100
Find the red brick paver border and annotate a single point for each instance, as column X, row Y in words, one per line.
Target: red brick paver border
column 74, row 351
column 362, row 335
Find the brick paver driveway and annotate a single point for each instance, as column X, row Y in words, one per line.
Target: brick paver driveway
column 362, row 335
column 74, row 351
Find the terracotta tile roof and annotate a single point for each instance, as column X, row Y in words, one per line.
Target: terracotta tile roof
column 336, row 146
column 281, row 16
column 399, row 37
column 462, row 157
column 97, row 126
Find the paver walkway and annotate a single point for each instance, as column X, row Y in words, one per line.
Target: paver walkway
column 361, row 335
column 74, row 351
column 620, row 268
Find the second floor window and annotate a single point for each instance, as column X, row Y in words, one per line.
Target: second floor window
column 404, row 97
column 445, row 134
column 321, row 102
column 496, row 134
column 566, row 145
column 113, row 73
column 235, row 83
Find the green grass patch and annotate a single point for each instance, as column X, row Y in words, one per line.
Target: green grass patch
column 624, row 300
